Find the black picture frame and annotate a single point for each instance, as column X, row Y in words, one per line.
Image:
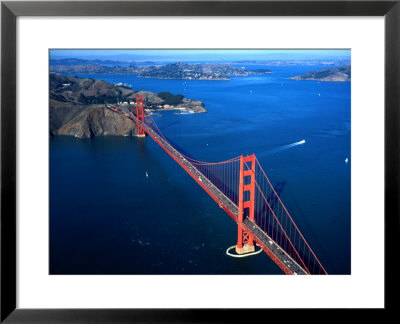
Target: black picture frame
column 10, row 10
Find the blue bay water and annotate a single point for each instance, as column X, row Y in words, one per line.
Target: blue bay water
column 107, row 217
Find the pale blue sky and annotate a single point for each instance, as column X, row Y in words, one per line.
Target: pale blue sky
column 202, row 55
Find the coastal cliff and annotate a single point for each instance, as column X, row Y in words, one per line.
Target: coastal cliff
column 88, row 121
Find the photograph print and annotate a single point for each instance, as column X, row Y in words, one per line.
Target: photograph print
column 196, row 162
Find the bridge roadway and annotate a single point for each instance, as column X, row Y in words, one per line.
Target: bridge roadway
column 283, row 260
column 266, row 242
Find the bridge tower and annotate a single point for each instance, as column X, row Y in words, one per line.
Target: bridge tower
column 140, row 115
column 245, row 242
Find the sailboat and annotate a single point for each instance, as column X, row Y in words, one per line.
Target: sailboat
column 147, row 175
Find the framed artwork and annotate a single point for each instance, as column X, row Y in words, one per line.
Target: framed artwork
column 158, row 157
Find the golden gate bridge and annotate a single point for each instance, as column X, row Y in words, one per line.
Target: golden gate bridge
column 242, row 189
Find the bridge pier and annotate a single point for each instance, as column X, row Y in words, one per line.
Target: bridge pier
column 245, row 242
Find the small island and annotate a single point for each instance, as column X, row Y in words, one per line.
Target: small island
column 84, row 107
column 340, row 74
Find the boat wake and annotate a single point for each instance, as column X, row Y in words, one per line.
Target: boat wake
column 285, row 147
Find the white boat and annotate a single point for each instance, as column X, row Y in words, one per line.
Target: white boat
column 147, row 175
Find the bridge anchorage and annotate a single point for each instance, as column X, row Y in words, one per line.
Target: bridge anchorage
column 242, row 189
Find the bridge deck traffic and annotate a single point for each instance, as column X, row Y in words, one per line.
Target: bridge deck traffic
column 283, row 260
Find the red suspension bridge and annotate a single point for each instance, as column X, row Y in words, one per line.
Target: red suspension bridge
column 242, row 189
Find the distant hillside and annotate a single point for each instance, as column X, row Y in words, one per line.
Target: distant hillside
column 75, row 61
column 181, row 70
column 341, row 74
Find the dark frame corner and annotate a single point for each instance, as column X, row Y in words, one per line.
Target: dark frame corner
column 10, row 10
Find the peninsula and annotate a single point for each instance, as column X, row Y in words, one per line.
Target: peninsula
column 82, row 107
column 187, row 71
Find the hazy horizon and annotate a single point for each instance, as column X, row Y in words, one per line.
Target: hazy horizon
column 203, row 55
